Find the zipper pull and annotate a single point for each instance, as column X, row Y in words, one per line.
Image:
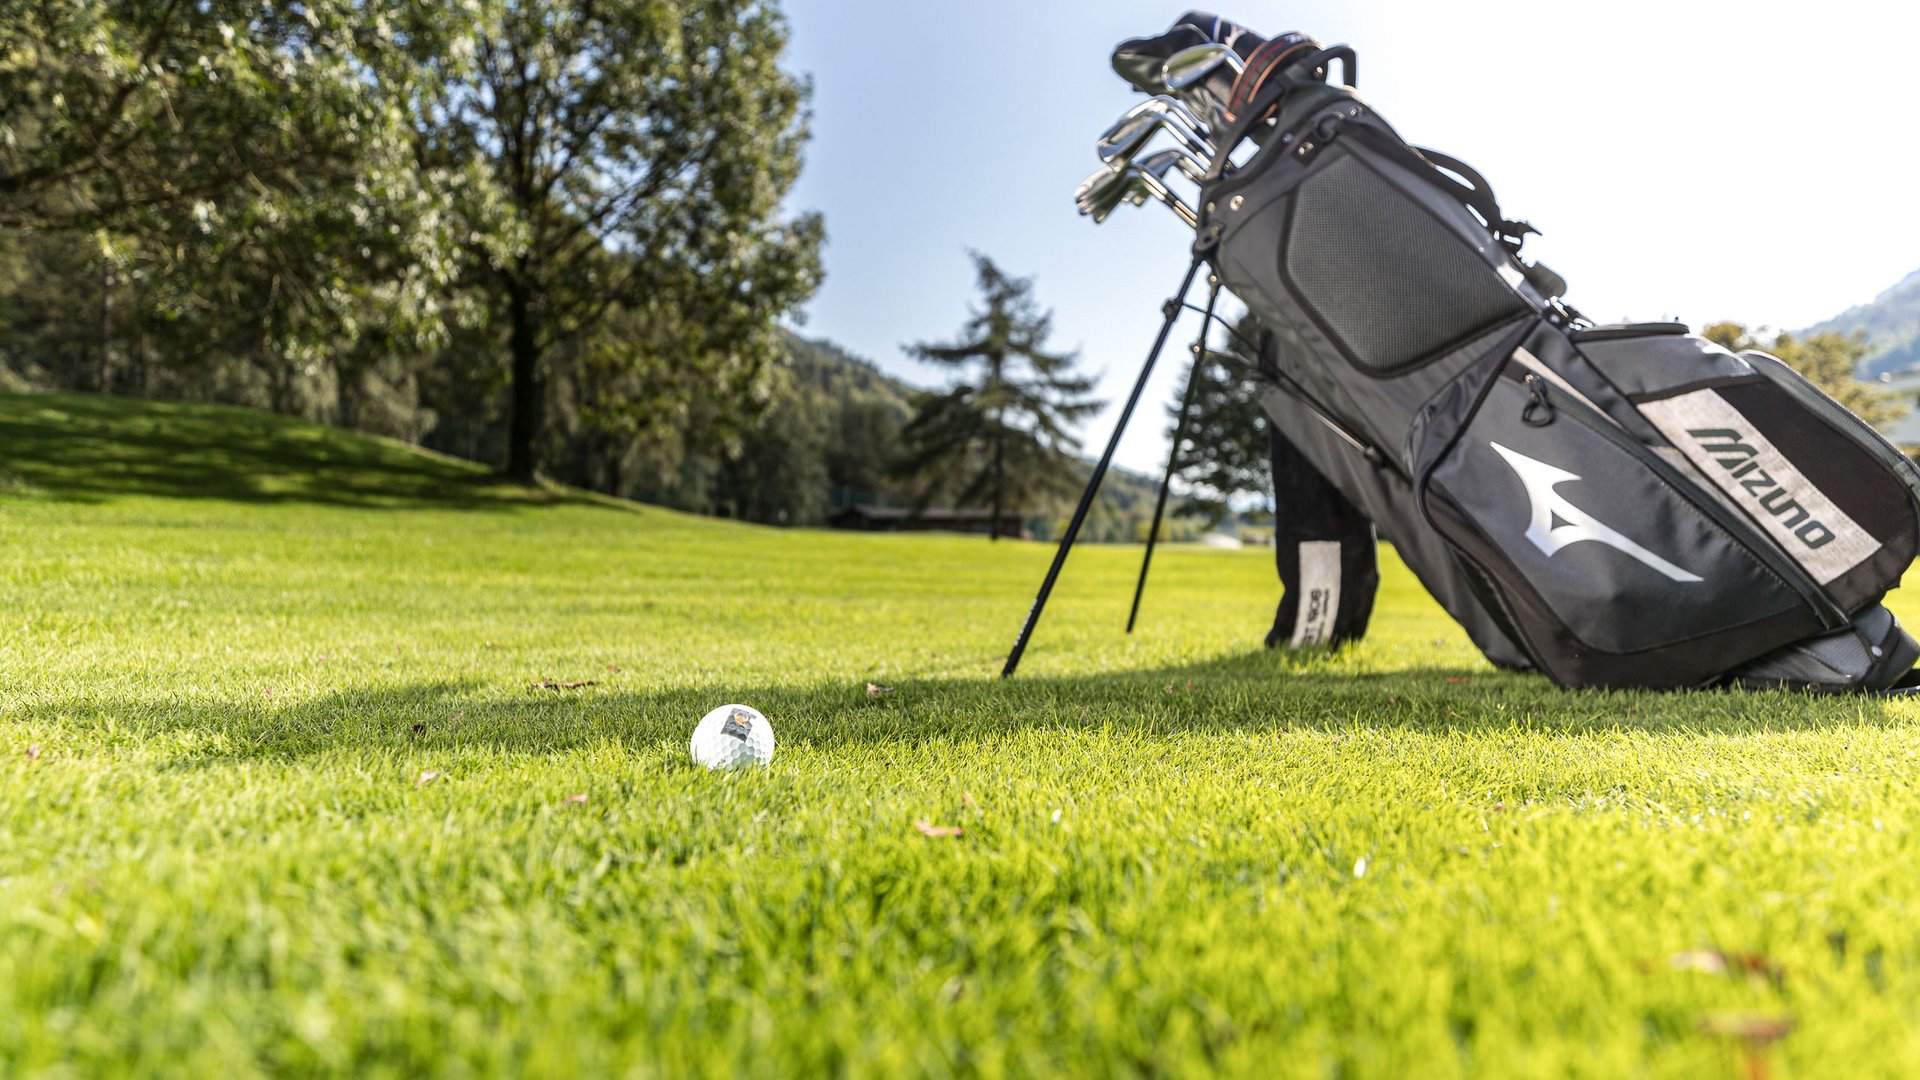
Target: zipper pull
column 1539, row 411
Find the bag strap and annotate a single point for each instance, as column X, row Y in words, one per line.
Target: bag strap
column 1266, row 92
column 1266, row 60
column 1477, row 194
column 1257, row 94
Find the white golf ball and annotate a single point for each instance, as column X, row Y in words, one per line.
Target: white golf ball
column 732, row 736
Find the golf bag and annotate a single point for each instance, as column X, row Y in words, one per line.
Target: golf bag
column 1620, row 506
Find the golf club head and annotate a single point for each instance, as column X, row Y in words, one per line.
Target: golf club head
column 1151, row 171
column 1188, row 67
column 1164, row 161
column 1134, row 193
column 1102, row 186
column 1103, row 192
column 1119, row 143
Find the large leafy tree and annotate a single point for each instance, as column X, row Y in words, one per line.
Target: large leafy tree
column 999, row 437
column 111, row 109
column 1828, row 360
column 244, row 175
column 637, row 154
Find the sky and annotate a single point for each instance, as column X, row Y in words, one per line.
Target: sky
column 1693, row 160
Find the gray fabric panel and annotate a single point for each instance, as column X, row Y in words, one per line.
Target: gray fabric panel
column 1385, row 275
column 1386, row 499
column 1617, row 595
column 1659, row 362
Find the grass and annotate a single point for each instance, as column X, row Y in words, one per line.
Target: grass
column 233, row 648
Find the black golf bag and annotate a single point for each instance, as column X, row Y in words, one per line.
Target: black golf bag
column 1622, row 506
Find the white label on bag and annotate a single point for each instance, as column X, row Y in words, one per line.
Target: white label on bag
column 1806, row 525
column 1319, row 593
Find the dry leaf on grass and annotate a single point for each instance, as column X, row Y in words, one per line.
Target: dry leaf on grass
column 33, row 753
column 876, row 690
column 1705, row 961
column 928, row 828
column 615, row 668
column 426, row 778
column 549, row 684
column 577, row 797
column 1714, row 962
column 1753, row 1028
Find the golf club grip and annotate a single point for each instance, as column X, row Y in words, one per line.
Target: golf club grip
column 1173, row 309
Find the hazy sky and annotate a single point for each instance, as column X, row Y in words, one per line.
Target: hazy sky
column 1704, row 161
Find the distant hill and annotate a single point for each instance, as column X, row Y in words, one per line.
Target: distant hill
column 825, row 367
column 1892, row 325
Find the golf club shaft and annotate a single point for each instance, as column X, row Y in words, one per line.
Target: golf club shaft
column 1173, row 309
column 1173, row 454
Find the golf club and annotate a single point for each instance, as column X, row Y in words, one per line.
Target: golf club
column 1151, row 171
column 1192, row 167
column 1137, row 126
column 1189, row 66
column 1104, row 191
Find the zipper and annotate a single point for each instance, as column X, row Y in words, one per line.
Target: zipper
column 1837, row 417
column 1788, row 571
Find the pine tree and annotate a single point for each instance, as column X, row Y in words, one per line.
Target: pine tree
column 1224, row 450
column 1001, row 438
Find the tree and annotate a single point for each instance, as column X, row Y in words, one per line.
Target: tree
column 637, row 152
column 1001, row 439
column 1224, row 451
column 109, row 109
column 1827, row 360
column 241, row 176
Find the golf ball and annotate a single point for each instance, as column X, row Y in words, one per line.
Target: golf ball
column 732, row 737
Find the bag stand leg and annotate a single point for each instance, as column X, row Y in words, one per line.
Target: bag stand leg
column 1173, row 453
column 1172, row 309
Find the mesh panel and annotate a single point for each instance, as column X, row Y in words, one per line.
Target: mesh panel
column 1385, row 278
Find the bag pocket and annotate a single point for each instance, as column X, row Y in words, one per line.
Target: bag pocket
column 1823, row 488
column 1612, row 567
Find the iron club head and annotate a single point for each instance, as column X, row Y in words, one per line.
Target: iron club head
column 1189, row 66
column 1139, row 124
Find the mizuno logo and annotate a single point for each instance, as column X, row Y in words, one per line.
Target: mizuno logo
column 1574, row 524
column 1734, row 456
column 1738, row 459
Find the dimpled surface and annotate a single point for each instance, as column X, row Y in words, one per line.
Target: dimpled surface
column 731, row 737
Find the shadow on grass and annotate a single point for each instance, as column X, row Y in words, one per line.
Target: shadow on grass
column 81, row 448
column 1258, row 693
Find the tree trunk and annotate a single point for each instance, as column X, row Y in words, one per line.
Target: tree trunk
column 614, row 453
column 106, row 326
column 527, row 395
column 999, row 481
column 141, row 378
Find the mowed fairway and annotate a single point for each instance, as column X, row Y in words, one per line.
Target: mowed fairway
column 278, row 794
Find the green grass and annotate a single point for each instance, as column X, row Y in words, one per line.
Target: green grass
column 237, row 643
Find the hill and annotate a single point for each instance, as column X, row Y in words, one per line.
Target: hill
column 1892, row 325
